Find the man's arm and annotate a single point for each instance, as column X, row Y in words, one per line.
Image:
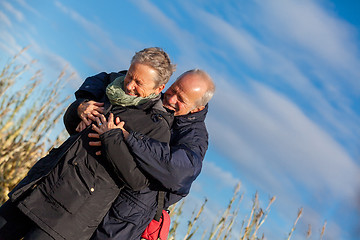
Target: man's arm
column 175, row 166
column 94, row 87
column 122, row 164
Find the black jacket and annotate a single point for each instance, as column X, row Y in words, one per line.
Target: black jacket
column 68, row 192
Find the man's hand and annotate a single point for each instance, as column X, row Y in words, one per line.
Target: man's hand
column 88, row 111
column 95, row 143
column 104, row 126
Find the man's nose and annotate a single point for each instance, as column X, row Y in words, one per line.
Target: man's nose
column 172, row 99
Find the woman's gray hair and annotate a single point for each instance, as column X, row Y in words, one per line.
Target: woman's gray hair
column 157, row 59
column 209, row 93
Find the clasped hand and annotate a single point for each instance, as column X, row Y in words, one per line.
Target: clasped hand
column 88, row 111
column 103, row 126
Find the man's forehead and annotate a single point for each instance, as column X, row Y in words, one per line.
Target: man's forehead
column 192, row 83
column 179, row 88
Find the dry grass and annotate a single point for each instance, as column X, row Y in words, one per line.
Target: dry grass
column 224, row 226
column 28, row 116
column 296, row 220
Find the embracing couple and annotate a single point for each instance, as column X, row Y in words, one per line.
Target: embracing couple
column 132, row 150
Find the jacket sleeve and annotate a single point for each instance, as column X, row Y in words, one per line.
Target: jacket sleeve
column 93, row 88
column 175, row 167
column 71, row 118
column 118, row 157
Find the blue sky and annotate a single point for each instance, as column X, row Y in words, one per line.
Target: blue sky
column 285, row 117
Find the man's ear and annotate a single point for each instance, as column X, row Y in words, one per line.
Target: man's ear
column 198, row 109
column 159, row 89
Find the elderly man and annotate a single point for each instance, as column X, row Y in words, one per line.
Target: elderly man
column 175, row 166
column 67, row 193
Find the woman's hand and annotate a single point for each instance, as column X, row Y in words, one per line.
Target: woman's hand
column 88, row 111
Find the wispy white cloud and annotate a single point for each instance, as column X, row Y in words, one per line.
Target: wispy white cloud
column 10, row 8
column 10, row 45
column 266, row 56
column 329, row 102
column 312, row 217
column 60, row 64
column 278, row 149
column 308, row 26
column 4, row 19
column 115, row 56
column 50, row 62
column 255, row 53
column 88, row 26
column 265, row 126
column 160, row 17
column 223, row 177
column 28, row 7
column 328, row 46
column 186, row 42
column 244, row 45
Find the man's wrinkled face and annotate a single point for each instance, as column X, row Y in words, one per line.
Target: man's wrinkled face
column 183, row 94
column 139, row 81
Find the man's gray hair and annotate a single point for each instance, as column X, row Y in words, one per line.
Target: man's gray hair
column 209, row 93
column 157, row 59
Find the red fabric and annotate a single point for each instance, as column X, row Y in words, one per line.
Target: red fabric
column 158, row 229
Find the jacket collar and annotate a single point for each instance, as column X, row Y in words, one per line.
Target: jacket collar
column 190, row 118
column 149, row 103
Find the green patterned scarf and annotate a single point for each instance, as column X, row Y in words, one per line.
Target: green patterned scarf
column 117, row 96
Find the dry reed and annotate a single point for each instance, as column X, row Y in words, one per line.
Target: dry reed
column 28, row 116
